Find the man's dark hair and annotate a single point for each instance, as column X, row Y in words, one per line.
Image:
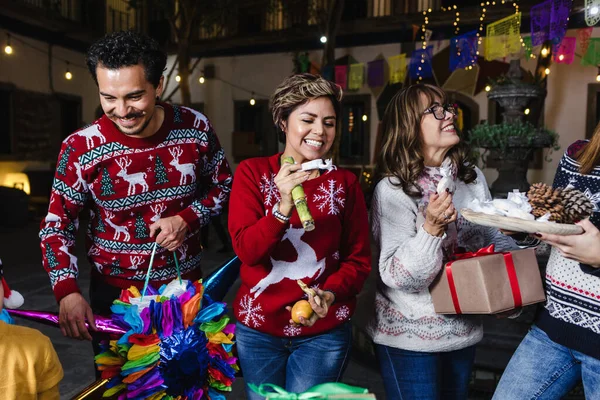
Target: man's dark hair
column 124, row 49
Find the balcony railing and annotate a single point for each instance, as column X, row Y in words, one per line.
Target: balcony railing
column 84, row 15
column 280, row 15
column 120, row 16
column 59, row 9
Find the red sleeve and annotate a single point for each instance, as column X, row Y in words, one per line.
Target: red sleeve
column 253, row 234
column 59, row 227
column 214, row 184
column 355, row 251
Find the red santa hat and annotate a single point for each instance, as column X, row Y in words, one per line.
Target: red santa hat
column 12, row 298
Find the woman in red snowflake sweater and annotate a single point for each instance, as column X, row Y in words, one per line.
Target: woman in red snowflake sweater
column 334, row 258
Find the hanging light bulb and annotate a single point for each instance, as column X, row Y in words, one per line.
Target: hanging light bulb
column 544, row 52
column 527, row 111
column 561, row 57
column 488, row 88
column 598, row 76
column 365, row 118
column 323, row 39
column 178, row 78
column 252, row 100
column 8, row 48
column 68, row 74
column 201, row 79
column 547, row 71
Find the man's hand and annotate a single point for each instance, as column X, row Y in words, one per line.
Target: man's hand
column 584, row 248
column 171, row 232
column 74, row 310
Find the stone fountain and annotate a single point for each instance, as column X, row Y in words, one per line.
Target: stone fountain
column 514, row 97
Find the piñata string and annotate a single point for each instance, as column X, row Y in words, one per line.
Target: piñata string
column 147, row 281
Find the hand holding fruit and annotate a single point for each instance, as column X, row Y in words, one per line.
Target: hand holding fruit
column 308, row 312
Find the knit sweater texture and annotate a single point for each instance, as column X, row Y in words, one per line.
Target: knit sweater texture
column 335, row 256
column 410, row 259
column 572, row 313
column 127, row 184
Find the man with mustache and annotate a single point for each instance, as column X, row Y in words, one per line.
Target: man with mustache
column 147, row 171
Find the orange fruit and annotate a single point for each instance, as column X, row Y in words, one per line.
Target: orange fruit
column 303, row 309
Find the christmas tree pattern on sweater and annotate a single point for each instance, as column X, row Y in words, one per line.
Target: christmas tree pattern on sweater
column 127, row 184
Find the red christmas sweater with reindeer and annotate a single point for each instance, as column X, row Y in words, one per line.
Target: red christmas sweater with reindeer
column 335, row 256
column 127, row 184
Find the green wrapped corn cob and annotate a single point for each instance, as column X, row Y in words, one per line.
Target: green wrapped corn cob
column 299, row 198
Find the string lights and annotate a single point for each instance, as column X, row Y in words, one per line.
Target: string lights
column 252, row 100
column 68, row 74
column 483, row 6
column 456, row 21
column 424, row 39
column 8, row 48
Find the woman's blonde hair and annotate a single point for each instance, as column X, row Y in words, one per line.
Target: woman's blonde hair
column 298, row 89
column 401, row 155
column 589, row 156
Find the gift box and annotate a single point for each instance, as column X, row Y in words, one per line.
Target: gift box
column 324, row 391
column 486, row 282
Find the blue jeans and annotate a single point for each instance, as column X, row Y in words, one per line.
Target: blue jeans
column 296, row 363
column 541, row 369
column 414, row 375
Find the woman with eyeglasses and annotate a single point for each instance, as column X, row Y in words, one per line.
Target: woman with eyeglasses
column 415, row 222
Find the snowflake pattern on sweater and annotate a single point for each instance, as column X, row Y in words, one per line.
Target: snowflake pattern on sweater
column 335, row 256
column 127, row 184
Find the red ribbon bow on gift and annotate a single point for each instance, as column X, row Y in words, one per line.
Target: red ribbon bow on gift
column 485, row 251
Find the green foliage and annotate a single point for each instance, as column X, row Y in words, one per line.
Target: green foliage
column 502, row 136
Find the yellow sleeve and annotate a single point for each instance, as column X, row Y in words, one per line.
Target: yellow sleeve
column 52, row 372
column 50, row 394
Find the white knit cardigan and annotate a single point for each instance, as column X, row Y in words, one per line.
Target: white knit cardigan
column 410, row 259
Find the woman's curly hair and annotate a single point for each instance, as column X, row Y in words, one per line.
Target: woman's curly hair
column 401, row 155
column 124, row 49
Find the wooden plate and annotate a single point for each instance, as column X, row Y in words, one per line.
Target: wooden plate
column 519, row 225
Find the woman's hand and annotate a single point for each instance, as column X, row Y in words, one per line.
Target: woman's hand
column 320, row 305
column 286, row 179
column 440, row 212
column 584, row 248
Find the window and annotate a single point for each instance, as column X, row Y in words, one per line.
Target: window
column 70, row 114
column 381, row 8
column 593, row 109
column 254, row 134
column 468, row 111
column 120, row 16
column 355, row 135
column 6, row 120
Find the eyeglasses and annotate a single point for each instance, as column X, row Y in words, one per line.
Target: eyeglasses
column 439, row 111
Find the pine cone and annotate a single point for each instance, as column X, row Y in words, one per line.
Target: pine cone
column 577, row 205
column 564, row 205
